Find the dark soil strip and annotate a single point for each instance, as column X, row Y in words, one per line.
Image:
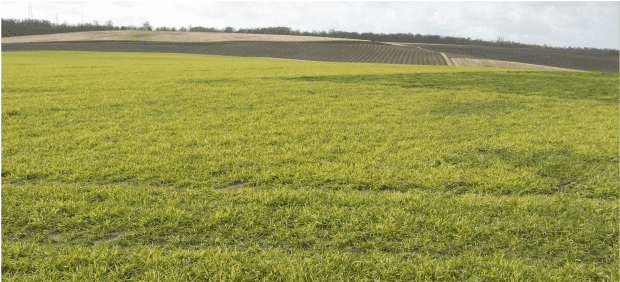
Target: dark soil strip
column 397, row 57
column 342, row 56
column 351, row 54
column 409, row 59
column 332, row 51
column 387, row 54
column 357, row 56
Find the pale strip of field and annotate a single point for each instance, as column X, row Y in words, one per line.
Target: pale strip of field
column 466, row 62
column 447, row 60
column 404, row 45
column 162, row 36
column 395, row 44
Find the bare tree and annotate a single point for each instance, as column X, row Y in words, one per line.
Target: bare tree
column 500, row 40
column 147, row 26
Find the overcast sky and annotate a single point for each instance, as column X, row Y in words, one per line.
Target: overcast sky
column 578, row 24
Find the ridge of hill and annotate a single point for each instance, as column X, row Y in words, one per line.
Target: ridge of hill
column 163, row 36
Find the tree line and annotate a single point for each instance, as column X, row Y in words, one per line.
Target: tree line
column 14, row 27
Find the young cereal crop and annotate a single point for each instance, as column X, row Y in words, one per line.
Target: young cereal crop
column 183, row 167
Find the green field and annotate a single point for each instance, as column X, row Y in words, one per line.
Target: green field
column 174, row 167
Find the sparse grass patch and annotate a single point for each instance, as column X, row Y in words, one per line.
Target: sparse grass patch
column 121, row 166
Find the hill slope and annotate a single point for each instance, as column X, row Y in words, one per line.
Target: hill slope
column 332, row 51
column 319, row 49
column 586, row 62
column 162, row 36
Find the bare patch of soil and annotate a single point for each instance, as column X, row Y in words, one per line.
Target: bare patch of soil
column 468, row 62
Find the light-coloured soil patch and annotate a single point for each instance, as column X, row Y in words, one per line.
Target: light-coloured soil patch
column 407, row 45
column 467, row 62
column 447, row 59
column 163, row 36
column 395, row 44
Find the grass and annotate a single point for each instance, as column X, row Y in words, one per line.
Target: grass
column 144, row 166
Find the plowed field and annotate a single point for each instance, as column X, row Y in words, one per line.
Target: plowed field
column 332, row 51
column 599, row 63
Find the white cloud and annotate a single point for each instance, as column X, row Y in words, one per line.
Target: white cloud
column 515, row 13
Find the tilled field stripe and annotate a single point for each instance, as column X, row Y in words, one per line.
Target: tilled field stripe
column 383, row 54
column 436, row 59
column 446, row 58
column 398, row 57
column 392, row 56
column 357, row 56
column 405, row 55
column 350, row 53
column 389, row 58
column 377, row 52
column 440, row 60
column 342, row 57
column 457, row 62
column 402, row 54
column 410, row 54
